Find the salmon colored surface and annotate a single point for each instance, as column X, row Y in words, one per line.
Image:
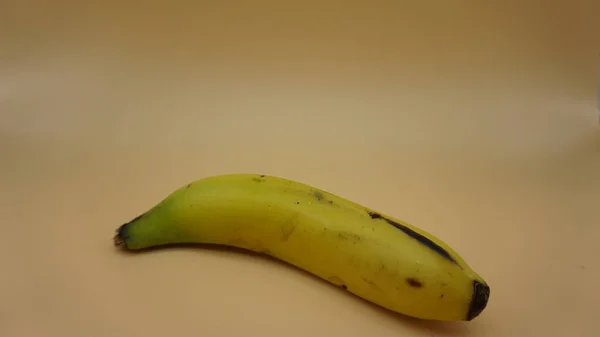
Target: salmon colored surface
column 476, row 122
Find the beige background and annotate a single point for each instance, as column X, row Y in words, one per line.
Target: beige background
column 474, row 121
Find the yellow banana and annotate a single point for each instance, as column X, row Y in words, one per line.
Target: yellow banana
column 374, row 256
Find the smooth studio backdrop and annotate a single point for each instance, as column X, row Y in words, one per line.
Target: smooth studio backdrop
column 474, row 120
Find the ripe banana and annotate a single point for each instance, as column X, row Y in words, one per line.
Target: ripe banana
column 374, row 256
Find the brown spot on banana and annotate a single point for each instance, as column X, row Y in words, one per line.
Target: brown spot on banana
column 321, row 197
column 413, row 282
column 318, row 195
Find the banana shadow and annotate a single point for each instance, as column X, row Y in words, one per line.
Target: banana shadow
column 432, row 327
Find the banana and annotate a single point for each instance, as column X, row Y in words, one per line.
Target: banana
column 372, row 255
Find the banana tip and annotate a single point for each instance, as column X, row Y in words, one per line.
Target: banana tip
column 120, row 239
column 479, row 299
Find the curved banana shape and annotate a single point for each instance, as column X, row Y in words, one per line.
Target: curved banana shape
column 374, row 256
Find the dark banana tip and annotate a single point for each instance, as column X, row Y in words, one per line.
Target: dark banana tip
column 121, row 237
column 479, row 300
